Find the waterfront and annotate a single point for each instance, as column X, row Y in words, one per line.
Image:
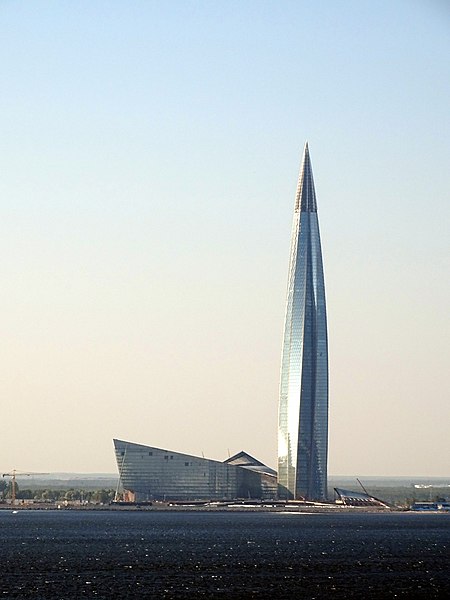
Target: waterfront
column 164, row 554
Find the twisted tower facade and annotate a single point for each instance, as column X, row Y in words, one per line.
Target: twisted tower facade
column 303, row 405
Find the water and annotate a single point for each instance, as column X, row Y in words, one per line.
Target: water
column 136, row 554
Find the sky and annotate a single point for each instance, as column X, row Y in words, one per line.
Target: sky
column 149, row 155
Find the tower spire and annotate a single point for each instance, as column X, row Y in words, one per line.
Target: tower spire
column 306, row 196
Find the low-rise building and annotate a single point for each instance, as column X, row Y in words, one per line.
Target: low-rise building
column 148, row 473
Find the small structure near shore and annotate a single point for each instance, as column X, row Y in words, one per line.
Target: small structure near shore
column 352, row 498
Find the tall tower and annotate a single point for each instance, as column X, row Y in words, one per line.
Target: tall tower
column 303, row 407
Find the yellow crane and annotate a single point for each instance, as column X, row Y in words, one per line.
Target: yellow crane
column 13, row 475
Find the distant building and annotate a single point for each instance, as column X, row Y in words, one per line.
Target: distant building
column 303, row 405
column 438, row 505
column 149, row 473
column 352, row 498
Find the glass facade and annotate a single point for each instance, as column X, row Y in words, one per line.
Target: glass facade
column 303, row 406
column 156, row 474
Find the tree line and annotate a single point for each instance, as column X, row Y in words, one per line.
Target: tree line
column 102, row 496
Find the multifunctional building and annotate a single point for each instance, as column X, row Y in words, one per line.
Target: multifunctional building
column 149, row 473
column 303, row 405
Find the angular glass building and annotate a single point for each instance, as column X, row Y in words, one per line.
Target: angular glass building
column 303, row 405
column 149, row 473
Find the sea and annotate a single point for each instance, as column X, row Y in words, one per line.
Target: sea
column 75, row 554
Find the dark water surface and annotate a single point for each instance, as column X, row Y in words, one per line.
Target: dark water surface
column 113, row 554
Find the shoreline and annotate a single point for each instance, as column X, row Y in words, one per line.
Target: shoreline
column 231, row 508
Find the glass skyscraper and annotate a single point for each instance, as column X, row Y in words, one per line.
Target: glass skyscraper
column 303, row 406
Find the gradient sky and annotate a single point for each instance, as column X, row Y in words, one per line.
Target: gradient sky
column 149, row 155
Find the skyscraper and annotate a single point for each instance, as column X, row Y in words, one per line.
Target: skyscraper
column 303, row 406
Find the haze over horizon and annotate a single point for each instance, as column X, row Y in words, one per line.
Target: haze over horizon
column 150, row 154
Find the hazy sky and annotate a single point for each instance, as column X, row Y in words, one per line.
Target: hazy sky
column 149, row 155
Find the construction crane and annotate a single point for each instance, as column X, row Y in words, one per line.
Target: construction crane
column 13, row 475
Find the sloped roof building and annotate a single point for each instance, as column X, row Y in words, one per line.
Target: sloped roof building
column 150, row 473
column 352, row 498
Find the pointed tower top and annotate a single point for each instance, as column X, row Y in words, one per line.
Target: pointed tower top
column 306, row 196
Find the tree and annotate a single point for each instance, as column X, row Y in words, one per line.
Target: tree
column 3, row 488
column 9, row 489
column 24, row 494
column 48, row 495
column 103, row 496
